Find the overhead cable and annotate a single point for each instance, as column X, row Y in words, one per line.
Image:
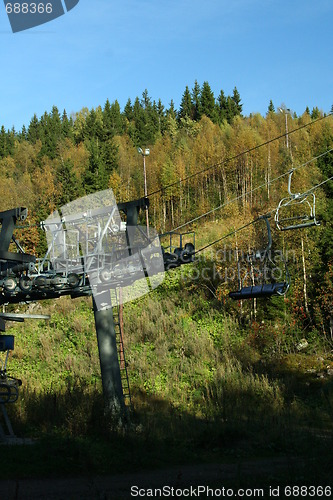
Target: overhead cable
column 251, row 191
column 257, row 219
column 238, row 155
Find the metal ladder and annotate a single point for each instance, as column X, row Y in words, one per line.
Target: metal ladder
column 117, row 310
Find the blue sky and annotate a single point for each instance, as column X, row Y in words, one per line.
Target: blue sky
column 269, row 49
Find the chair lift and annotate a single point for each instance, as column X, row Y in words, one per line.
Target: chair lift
column 9, row 386
column 296, row 200
column 263, row 289
column 174, row 255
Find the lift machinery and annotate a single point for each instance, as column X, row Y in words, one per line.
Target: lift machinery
column 94, row 249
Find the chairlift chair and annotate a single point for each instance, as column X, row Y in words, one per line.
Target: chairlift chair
column 8, row 385
column 296, row 200
column 174, row 255
column 263, row 289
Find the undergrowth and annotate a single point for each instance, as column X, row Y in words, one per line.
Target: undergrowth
column 203, row 387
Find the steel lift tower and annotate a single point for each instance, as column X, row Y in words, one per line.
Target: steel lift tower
column 95, row 248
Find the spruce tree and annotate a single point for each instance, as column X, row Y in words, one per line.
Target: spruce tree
column 70, row 186
column 186, row 108
column 34, row 130
column 128, row 110
column 66, row 126
column 52, row 133
column 196, row 99
column 94, row 177
column 222, row 107
column 271, row 108
column 171, row 111
column 161, row 117
column 315, row 114
column 110, row 160
column 207, row 102
column 23, row 134
column 146, row 101
column 3, row 142
column 94, row 125
column 230, row 109
column 237, row 100
column 112, row 119
column 11, row 137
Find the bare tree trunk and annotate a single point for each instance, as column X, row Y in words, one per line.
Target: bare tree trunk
column 164, row 215
column 239, row 275
column 224, row 179
column 181, row 199
column 251, row 185
column 172, row 214
column 220, row 192
column 304, row 278
column 253, row 283
column 268, row 171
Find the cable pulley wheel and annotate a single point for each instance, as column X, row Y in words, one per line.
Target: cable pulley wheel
column 9, row 284
column 25, row 283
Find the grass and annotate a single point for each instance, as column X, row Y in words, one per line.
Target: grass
column 203, row 391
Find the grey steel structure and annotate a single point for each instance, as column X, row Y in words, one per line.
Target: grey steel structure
column 96, row 251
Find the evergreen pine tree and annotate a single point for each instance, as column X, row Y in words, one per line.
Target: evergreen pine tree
column 52, row 132
column 171, row 111
column 110, row 160
column 146, row 101
column 94, row 177
column 271, row 108
column 196, row 99
column 138, row 125
column 222, row 107
column 34, row 130
column 3, row 142
column 315, row 114
column 70, row 186
column 94, row 125
column 66, row 126
column 237, row 100
column 128, row 110
column 186, row 108
column 144, row 126
column 23, row 134
column 112, row 119
column 207, row 102
column 153, row 122
column 230, row 109
column 44, row 132
column 11, row 137
column 161, row 117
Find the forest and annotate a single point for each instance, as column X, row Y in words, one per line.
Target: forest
column 202, row 157
column 192, row 352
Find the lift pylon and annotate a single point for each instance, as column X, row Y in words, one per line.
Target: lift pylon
column 95, row 247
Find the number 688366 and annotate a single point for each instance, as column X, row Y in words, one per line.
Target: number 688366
column 29, row 8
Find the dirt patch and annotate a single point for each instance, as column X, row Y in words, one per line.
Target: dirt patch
column 119, row 486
